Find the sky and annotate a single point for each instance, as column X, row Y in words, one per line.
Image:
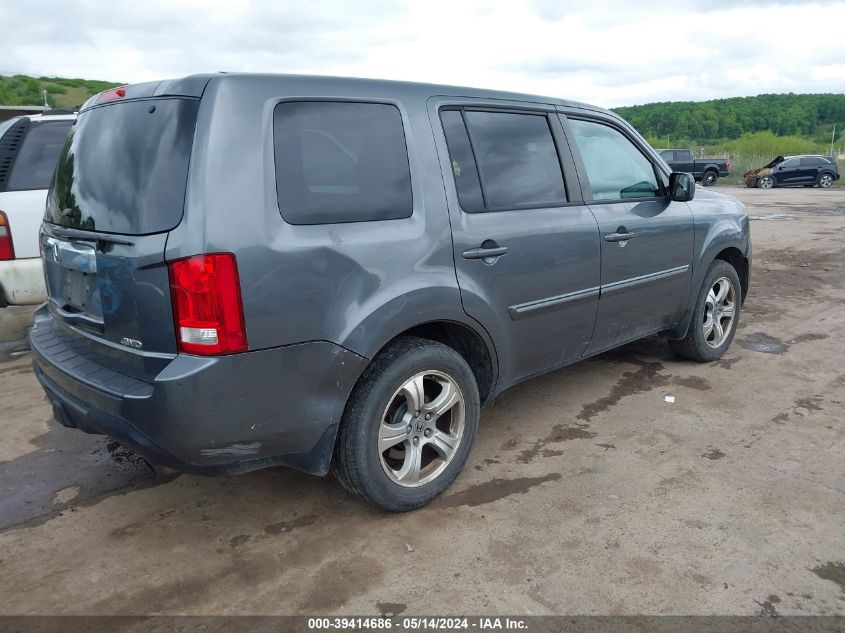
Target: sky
column 610, row 53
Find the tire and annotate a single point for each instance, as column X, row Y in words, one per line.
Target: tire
column 766, row 182
column 709, row 178
column 697, row 344
column 825, row 181
column 380, row 411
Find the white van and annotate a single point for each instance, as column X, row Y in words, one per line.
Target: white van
column 29, row 149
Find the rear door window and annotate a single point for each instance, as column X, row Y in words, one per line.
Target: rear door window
column 341, row 162
column 37, row 157
column 812, row 161
column 124, row 167
column 616, row 169
column 503, row 160
column 517, row 160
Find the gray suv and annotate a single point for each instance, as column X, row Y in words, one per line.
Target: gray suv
column 336, row 274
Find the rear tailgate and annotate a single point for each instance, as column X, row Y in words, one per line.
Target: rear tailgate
column 118, row 190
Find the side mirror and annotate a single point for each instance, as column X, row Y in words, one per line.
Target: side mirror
column 681, row 186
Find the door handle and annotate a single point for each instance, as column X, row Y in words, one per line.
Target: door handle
column 75, row 318
column 489, row 250
column 619, row 236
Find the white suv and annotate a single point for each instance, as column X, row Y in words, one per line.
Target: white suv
column 29, row 149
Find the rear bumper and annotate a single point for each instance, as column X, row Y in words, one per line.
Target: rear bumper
column 22, row 282
column 219, row 415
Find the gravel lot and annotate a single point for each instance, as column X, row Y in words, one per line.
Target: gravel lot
column 586, row 493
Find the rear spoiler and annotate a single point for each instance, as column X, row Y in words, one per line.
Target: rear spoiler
column 191, row 86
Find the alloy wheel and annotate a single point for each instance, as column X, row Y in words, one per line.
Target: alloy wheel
column 719, row 312
column 421, row 428
column 825, row 181
column 767, row 182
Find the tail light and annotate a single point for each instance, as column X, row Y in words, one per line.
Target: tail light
column 7, row 248
column 728, row 166
column 207, row 307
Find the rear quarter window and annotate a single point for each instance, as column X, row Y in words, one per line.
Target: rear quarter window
column 341, row 162
column 814, row 161
column 36, row 159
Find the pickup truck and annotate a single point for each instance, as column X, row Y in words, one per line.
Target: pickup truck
column 705, row 170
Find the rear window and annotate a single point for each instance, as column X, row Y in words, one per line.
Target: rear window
column 503, row 160
column 341, row 162
column 124, row 167
column 36, row 159
column 814, row 161
column 517, row 160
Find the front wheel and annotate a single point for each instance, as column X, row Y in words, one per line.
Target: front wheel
column 715, row 316
column 766, row 182
column 409, row 425
column 709, row 178
column 825, row 181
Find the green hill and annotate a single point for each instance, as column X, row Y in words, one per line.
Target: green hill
column 740, row 125
column 811, row 116
column 25, row 90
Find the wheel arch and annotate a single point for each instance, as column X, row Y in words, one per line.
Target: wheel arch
column 735, row 257
column 433, row 311
column 730, row 244
column 828, row 172
column 473, row 347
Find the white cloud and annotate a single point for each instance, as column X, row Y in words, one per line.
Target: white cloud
column 610, row 53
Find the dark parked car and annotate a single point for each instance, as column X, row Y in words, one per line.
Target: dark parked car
column 252, row 270
column 793, row 171
column 705, row 170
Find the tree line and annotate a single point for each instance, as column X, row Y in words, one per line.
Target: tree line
column 703, row 123
column 808, row 115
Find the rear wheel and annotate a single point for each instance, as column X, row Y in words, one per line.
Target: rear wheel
column 825, row 181
column 409, row 425
column 766, row 182
column 709, row 177
column 715, row 316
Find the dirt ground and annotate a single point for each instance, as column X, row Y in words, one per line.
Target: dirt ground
column 586, row 493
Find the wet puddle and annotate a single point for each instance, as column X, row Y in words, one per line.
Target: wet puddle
column 760, row 342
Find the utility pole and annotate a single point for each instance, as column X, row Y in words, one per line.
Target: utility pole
column 832, row 136
column 44, row 94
